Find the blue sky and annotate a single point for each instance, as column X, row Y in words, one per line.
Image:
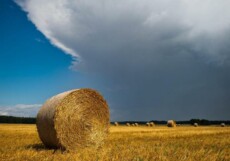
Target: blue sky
column 149, row 59
column 32, row 69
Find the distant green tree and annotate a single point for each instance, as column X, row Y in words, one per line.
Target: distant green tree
column 17, row 120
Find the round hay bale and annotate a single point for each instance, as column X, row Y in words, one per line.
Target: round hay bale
column 133, row 124
column 171, row 123
column 136, row 124
column 151, row 124
column 222, row 124
column 195, row 124
column 73, row 120
column 148, row 124
column 116, row 123
column 127, row 124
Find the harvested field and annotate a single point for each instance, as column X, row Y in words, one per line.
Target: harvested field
column 21, row 142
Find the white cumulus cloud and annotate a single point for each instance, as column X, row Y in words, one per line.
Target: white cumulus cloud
column 24, row 110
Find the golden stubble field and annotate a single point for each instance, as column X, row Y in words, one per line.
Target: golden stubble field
column 185, row 143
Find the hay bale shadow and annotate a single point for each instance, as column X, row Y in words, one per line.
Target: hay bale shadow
column 37, row 147
column 40, row 147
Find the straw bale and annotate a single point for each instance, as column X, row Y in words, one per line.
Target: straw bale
column 73, row 120
column 195, row 124
column 222, row 124
column 151, row 124
column 171, row 123
column 116, row 123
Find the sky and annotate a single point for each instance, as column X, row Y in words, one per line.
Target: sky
column 150, row 59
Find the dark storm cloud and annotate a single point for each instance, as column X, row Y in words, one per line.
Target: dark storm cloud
column 152, row 59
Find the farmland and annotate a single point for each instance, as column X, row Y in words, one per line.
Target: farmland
column 188, row 143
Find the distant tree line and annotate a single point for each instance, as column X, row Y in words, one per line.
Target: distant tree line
column 209, row 122
column 17, row 120
column 32, row 120
column 186, row 122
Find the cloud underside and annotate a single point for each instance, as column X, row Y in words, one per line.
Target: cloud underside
column 152, row 59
